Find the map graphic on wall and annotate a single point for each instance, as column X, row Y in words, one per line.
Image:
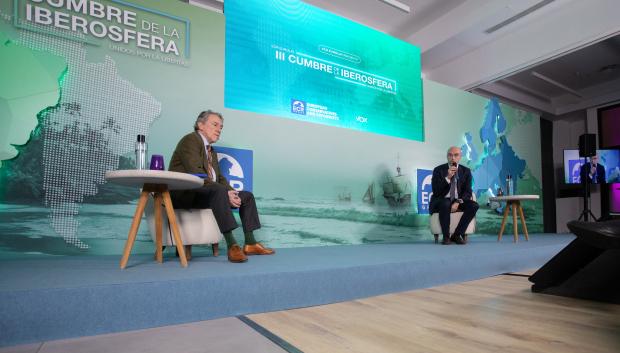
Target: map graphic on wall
column 497, row 160
column 297, row 61
column 80, row 135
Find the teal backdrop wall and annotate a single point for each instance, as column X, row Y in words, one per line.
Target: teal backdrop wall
column 70, row 109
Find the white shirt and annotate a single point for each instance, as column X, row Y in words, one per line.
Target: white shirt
column 206, row 143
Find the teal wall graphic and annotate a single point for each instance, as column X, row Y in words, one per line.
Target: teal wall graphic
column 71, row 108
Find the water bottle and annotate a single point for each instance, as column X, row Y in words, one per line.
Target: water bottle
column 141, row 152
column 509, row 185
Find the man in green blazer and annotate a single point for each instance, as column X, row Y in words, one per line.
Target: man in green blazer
column 194, row 154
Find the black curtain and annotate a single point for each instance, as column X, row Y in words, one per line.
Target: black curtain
column 548, row 175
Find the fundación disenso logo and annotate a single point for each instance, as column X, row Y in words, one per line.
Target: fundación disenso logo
column 236, row 166
column 298, row 107
column 425, row 190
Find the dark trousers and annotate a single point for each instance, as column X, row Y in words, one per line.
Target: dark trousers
column 442, row 206
column 215, row 197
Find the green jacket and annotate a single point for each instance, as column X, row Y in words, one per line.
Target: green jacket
column 190, row 156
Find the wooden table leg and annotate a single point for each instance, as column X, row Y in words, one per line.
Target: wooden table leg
column 527, row 237
column 501, row 230
column 159, row 223
column 175, row 227
column 514, row 205
column 133, row 230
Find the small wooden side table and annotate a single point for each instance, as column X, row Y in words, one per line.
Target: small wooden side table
column 514, row 202
column 159, row 183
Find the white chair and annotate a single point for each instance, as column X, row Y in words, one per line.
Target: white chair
column 197, row 226
column 454, row 221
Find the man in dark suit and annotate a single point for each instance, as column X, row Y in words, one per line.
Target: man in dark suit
column 593, row 171
column 452, row 192
column 194, row 154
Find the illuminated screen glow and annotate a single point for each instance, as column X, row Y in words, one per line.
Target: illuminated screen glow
column 610, row 159
column 293, row 60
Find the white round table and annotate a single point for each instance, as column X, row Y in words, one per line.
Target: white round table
column 157, row 182
column 514, row 202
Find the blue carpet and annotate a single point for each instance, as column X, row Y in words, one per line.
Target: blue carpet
column 52, row 298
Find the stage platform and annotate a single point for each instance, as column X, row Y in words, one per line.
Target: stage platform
column 50, row 298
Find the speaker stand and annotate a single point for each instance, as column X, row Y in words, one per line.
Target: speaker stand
column 586, row 204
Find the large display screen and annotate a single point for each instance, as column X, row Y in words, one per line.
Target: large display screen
column 609, row 159
column 289, row 59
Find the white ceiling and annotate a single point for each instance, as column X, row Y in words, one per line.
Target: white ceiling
column 574, row 44
column 443, row 29
column 582, row 79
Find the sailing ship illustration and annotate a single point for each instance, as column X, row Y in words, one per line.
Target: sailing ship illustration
column 369, row 196
column 397, row 189
column 344, row 195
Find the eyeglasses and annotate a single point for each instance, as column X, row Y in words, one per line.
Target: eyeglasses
column 453, row 154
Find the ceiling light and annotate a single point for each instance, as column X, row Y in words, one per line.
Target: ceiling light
column 397, row 4
column 518, row 16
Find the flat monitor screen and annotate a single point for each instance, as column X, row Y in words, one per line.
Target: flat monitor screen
column 289, row 59
column 609, row 159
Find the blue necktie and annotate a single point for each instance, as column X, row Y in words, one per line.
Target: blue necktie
column 453, row 188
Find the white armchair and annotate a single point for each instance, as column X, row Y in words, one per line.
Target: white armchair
column 454, row 221
column 197, row 226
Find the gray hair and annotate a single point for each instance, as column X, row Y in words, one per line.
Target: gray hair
column 204, row 115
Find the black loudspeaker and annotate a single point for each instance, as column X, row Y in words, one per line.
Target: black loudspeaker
column 587, row 145
column 588, row 267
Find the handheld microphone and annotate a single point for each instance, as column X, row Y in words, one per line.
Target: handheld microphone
column 454, row 164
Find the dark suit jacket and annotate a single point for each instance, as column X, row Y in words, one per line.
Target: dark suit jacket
column 190, row 156
column 600, row 173
column 441, row 187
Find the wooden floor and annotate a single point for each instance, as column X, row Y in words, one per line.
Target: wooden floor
column 497, row 314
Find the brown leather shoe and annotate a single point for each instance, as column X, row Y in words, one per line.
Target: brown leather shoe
column 236, row 255
column 216, row 249
column 257, row 249
column 457, row 239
